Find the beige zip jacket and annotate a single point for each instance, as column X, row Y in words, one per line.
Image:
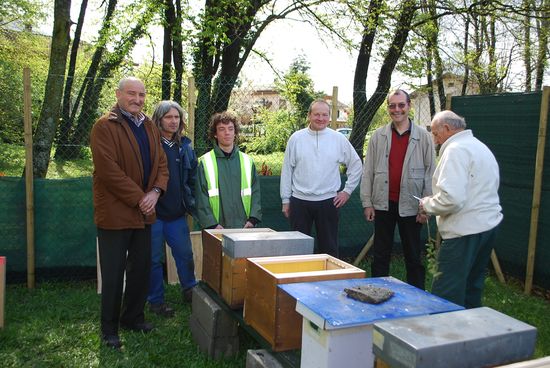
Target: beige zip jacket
column 416, row 178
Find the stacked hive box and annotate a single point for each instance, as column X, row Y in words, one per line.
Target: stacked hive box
column 239, row 246
column 213, row 329
column 478, row 337
column 269, row 309
column 212, row 254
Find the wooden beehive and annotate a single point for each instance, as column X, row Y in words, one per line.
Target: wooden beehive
column 212, row 254
column 269, row 309
column 237, row 247
column 171, row 269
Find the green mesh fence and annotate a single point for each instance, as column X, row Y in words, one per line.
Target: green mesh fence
column 65, row 235
column 64, row 229
column 509, row 125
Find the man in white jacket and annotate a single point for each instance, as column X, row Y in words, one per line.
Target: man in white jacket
column 466, row 203
column 310, row 178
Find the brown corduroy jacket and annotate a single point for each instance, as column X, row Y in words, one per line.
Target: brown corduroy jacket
column 118, row 172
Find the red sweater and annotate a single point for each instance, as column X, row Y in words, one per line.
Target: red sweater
column 399, row 143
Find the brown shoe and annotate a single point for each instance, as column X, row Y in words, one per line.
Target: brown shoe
column 162, row 309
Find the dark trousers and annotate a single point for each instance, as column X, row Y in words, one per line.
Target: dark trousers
column 461, row 267
column 409, row 231
column 123, row 250
column 325, row 215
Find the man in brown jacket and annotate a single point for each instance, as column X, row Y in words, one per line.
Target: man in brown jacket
column 130, row 174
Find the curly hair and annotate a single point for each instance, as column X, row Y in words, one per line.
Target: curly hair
column 224, row 117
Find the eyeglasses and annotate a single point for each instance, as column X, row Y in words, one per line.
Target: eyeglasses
column 401, row 105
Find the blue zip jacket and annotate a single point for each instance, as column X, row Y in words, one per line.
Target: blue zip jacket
column 179, row 196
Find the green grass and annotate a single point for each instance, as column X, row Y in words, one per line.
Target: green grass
column 57, row 325
column 12, row 163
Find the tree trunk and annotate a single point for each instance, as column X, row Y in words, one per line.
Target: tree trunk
column 395, row 49
column 360, row 100
column 438, row 62
column 177, row 49
column 169, row 21
column 527, row 45
column 49, row 114
column 64, row 138
column 66, row 107
column 429, row 77
column 543, row 31
column 90, row 102
column 465, row 81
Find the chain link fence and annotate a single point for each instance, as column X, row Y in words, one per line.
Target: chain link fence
column 63, row 212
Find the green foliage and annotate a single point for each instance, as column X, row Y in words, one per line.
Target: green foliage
column 297, row 87
column 17, row 50
column 25, row 12
column 277, row 126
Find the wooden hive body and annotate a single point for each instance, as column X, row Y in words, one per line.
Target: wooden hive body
column 212, row 254
column 269, row 309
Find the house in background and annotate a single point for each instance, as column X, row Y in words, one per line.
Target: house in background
column 343, row 112
column 247, row 102
column 420, row 103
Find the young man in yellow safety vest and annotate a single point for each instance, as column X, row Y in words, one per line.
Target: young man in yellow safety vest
column 228, row 191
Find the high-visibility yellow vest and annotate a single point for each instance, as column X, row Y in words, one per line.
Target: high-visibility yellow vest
column 210, row 165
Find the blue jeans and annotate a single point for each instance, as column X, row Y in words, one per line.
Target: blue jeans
column 176, row 234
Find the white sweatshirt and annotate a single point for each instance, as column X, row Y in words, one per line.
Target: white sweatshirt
column 465, row 186
column 311, row 167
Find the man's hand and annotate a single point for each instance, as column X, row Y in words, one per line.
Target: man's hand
column 248, row 225
column 341, row 199
column 369, row 213
column 422, row 218
column 148, row 202
column 286, row 209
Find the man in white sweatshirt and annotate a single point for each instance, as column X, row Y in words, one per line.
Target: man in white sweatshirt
column 466, row 203
column 310, row 178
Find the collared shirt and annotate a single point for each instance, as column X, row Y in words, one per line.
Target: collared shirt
column 399, row 143
column 136, row 120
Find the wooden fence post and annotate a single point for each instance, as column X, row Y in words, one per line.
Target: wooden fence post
column 334, row 115
column 537, row 186
column 448, row 99
column 29, row 181
column 2, row 289
column 191, row 105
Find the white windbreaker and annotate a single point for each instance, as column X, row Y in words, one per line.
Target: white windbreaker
column 465, row 186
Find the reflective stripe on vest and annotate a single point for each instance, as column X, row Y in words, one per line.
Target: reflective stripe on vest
column 210, row 165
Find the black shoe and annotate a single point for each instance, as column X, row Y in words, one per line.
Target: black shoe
column 138, row 327
column 112, row 341
column 162, row 309
column 188, row 295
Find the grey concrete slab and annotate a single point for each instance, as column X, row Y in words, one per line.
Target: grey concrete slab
column 267, row 244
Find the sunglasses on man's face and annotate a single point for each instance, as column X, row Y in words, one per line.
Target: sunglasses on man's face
column 401, row 105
